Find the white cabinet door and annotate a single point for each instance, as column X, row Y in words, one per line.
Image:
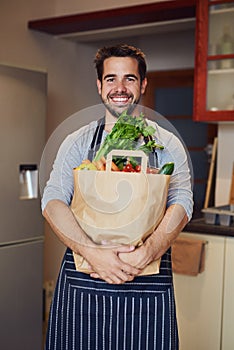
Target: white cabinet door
column 199, row 300
column 228, row 305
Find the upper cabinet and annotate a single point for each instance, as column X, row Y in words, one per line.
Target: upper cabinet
column 214, row 64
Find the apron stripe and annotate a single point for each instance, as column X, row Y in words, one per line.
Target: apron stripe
column 132, row 323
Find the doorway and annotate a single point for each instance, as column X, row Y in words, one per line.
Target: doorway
column 170, row 93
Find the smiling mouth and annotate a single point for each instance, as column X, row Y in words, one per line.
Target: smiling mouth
column 120, row 99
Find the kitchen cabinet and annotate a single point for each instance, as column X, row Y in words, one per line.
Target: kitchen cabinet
column 228, row 305
column 199, row 299
column 205, row 306
column 214, row 64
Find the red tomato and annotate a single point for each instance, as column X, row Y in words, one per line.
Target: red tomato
column 138, row 168
column 128, row 168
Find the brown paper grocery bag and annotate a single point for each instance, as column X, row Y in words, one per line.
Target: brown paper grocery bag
column 119, row 207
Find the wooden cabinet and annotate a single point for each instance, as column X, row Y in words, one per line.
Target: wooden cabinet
column 205, row 305
column 214, row 64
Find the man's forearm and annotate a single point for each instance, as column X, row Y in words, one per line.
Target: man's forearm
column 170, row 227
column 104, row 262
column 65, row 226
column 160, row 240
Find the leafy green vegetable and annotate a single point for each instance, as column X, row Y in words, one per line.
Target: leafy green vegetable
column 125, row 134
column 150, row 146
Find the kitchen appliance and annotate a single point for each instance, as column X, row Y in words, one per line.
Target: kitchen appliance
column 22, row 138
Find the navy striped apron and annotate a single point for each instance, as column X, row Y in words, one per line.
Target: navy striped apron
column 90, row 314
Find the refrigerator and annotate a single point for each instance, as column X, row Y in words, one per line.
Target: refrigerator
column 22, row 138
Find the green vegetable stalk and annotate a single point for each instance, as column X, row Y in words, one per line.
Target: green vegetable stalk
column 125, row 134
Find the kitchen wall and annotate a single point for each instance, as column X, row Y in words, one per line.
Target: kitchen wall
column 71, row 78
column 62, row 60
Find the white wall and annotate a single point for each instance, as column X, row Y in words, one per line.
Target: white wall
column 165, row 51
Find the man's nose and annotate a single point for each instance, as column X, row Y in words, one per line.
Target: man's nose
column 120, row 86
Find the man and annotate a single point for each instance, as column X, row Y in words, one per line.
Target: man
column 114, row 307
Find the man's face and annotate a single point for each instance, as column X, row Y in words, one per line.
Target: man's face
column 121, row 87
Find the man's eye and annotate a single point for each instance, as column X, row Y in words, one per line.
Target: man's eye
column 130, row 79
column 110, row 80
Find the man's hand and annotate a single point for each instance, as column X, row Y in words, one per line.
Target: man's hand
column 138, row 258
column 107, row 265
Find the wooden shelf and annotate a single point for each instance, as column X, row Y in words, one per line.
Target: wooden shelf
column 114, row 18
column 221, row 11
column 221, row 71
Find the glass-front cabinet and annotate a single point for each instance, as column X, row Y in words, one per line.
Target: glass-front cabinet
column 214, row 65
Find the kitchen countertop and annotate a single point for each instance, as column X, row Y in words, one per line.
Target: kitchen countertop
column 199, row 226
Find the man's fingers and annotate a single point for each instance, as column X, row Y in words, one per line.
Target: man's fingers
column 107, row 265
column 118, row 277
column 125, row 248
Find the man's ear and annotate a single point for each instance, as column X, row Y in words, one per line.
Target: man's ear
column 99, row 86
column 143, row 85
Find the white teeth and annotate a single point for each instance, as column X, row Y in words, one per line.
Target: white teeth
column 120, row 99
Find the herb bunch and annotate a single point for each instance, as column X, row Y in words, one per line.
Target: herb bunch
column 125, row 135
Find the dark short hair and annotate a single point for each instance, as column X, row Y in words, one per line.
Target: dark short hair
column 122, row 50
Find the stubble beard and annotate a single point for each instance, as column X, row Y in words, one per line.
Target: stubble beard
column 117, row 111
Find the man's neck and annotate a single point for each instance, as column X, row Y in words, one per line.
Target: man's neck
column 110, row 121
